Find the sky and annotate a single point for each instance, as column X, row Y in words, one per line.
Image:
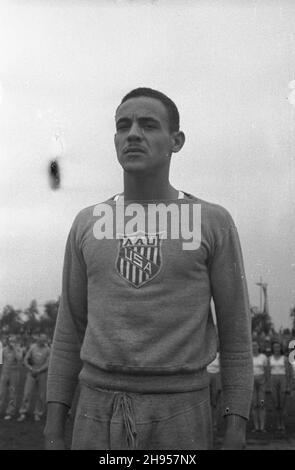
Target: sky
column 64, row 67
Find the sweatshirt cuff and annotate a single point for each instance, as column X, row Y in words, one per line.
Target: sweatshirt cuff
column 60, row 390
column 237, row 403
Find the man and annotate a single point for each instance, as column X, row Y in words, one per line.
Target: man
column 11, row 356
column 280, row 380
column 135, row 321
column 36, row 361
column 261, row 375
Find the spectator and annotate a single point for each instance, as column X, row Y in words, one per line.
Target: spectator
column 12, row 356
column 36, row 361
column 279, row 383
column 260, row 369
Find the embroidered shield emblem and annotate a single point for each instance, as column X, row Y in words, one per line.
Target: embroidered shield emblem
column 139, row 258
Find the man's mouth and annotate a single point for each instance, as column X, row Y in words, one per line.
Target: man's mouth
column 133, row 150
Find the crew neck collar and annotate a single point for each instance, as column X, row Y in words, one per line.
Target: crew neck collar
column 120, row 198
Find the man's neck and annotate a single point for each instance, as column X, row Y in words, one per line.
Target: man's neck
column 146, row 188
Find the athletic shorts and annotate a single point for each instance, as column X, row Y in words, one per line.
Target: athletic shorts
column 278, row 383
column 258, row 390
column 121, row 420
column 278, row 389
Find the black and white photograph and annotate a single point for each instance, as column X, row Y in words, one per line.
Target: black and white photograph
column 147, row 283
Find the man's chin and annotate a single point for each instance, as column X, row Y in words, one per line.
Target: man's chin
column 135, row 167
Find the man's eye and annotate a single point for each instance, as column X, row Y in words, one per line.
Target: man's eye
column 122, row 127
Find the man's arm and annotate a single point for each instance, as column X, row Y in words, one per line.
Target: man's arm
column 65, row 363
column 235, row 434
column 27, row 358
column 230, row 295
column 18, row 352
column 55, row 426
column 44, row 367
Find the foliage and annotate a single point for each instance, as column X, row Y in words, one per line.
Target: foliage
column 30, row 321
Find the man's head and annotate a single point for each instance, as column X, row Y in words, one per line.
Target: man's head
column 171, row 108
column 147, row 130
column 42, row 339
column 255, row 347
column 277, row 348
column 12, row 340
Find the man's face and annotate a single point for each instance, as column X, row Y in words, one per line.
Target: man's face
column 12, row 340
column 41, row 340
column 255, row 347
column 143, row 139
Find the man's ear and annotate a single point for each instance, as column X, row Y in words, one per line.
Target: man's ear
column 178, row 139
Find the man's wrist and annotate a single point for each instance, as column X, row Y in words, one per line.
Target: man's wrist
column 56, row 419
column 237, row 422
column 235, row 433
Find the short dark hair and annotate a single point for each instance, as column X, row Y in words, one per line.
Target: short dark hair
column 173, row 114
column 276, row 341
column 254, row 341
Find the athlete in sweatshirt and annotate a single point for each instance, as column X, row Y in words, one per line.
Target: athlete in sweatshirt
column 134, row 323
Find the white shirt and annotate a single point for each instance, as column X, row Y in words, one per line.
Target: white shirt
column 118, row 197
column 214, row 366
column 277, row 366
column 259, row 364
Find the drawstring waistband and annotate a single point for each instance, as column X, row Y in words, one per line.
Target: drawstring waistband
column 124, row 401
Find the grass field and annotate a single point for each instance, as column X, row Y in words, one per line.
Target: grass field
column 29, row 435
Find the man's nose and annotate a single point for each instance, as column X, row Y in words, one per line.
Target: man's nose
column 135, row 132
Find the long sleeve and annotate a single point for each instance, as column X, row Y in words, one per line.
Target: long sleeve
column 231, row 301
column 65, row 363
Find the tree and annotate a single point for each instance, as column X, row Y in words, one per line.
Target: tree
column 10, row 321
column 261, row 321
column 32, row 322
column 51, row 309
column 50, row 315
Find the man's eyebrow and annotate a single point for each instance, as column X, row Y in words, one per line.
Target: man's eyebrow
column 123, row 119
column 148, row 118
column 140, row 119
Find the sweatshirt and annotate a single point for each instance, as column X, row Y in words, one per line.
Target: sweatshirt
column 135, row 312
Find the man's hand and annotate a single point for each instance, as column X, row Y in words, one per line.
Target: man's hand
column 34, row 372
column 235, row 434
column 54, row 431
column 54, row 443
